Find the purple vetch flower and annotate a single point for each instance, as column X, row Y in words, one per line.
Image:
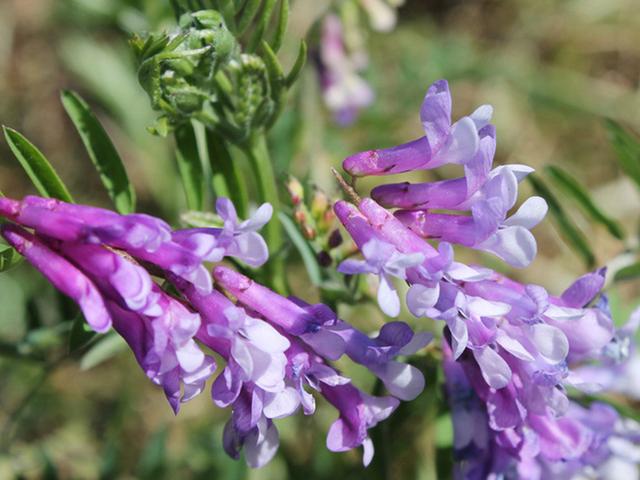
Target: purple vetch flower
column 358, row 413
column 343, row 90
column 254, row 382
column 62, row 274
column 383, row 260
column 165, row 348
column 238, row 239
column 488, row 227
column 443, row 142
column 328, row 336
column 141, row 236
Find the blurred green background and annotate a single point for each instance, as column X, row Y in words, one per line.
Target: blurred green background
column 553, row 70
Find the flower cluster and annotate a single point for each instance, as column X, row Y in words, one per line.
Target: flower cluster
column 514, row 343
column 276, row 349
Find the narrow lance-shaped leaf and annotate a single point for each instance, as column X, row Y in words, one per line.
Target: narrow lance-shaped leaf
column 248, row 13
column 627, row 148
column 37, row 167
column 102, row 152
column 281, row 27
column 261, row 27
column 306, row 253
column 572, row 188
column 629, row 272
column 297, row 66
column 9, row 257
column 574, row 237
column 190, row 166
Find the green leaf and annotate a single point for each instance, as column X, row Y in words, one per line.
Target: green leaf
column 627, row 148
column 9, row 257
column 629, row 272
column 37, row 167
column 572, row 188
column 261, row 27
column 572, row 235
column 103, row 350
column 152, row 462
column 102, row 152
column 308, row 257
column 297, row 66
column 80, row 335
column 190, row 166
column 281, row 28
column 248, row 13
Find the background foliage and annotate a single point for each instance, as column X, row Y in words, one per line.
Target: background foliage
column 562, row 76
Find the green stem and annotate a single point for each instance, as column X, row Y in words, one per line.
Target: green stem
column 258, row 154
column 226, row 176
column 190, row 166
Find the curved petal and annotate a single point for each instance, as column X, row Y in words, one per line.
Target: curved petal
column 495, row 370
column 530, row 213
column 388, row 298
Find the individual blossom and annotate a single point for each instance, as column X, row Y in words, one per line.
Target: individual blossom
column 344, row 91
column 443, row 143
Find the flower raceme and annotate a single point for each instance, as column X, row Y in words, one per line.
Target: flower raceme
column 276, row 349
column 515, row 345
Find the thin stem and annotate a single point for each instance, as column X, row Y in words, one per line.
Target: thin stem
column 258, row 154
column 226, row 175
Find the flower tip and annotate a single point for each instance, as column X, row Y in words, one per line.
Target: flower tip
column 9, row 208
column 229, row 278
column 363, row 163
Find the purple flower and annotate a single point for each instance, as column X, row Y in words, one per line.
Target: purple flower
column 62, row 274
column 443, row 142
column 383, row 260
column 165, row 348
column 358, row 413
column 344, row 92
column 237, row 239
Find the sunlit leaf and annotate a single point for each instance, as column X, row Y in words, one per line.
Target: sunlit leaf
column 190, row 166
column 629, row 272
column 8, row 257
column 102, row 152
column 37, row 167
column 627, row 148
column 80, row 334
column 297, row 66
column 567, row 228
column 281, row 28
column 105, row 348
column 580, row 194
column 308, row 257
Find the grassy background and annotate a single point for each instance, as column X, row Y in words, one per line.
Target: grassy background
column 553, row 71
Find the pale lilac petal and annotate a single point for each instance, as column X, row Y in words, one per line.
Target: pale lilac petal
column 226, row 210
column 260, row 453
column 258, row 220
column 421, row 299
column 515, row 245
column 513, row 346
column 189, row 356
column 403, row 381
column 418, row 342
column 484, row 308
column 354, row 267
column 388, row 298
column 530, row 213
column 482, row 116
column 264, row 336
column 550, row 341
column 249, row 247
column 367, row 454
column 459, row 335
column 281, row 404
column 461, row 145
column 435, row 114
column 495, row 370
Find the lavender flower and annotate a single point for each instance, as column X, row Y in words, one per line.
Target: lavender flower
column 343, row 90
column 317, row 336
column 443, row 142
